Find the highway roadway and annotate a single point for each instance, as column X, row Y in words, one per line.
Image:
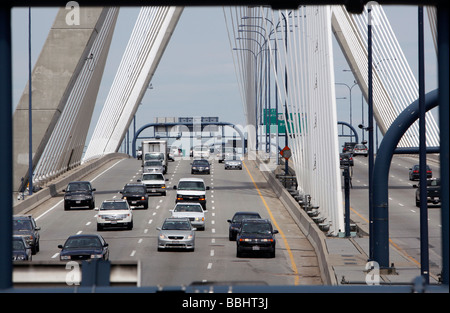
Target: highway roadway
column 404, row 218
column 214, row 258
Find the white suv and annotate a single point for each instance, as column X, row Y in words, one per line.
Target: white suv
column 114, row 213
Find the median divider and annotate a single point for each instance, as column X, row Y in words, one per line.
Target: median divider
column 309, row 228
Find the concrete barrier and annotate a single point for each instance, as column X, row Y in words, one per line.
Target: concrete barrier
column 309, row 228
column 55, row 186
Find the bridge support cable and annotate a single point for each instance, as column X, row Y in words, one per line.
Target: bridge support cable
column 301, row 67
column 66, row 144
column 394, row 84
column 150, row 36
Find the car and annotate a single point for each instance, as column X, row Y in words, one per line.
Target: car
column 201, row 152
column 79, row 194
column 348, row 147
column 176, row 233
column 21, row 249
column 175, row 152
column 346, row 159
column 84, row 247
column 233, row 162
column 361, row 149
column 154, row 182
column 256, row 236
column 191, row 210
column 225, row 152
column 153, row 166
column 433, row 191
column 200, row 166
column 191, row 190
column 135, row 194
column 235, row 222
column 25, row 226
column 414, row 172
column 114, row 213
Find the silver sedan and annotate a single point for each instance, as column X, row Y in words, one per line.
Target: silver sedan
column 176, row 233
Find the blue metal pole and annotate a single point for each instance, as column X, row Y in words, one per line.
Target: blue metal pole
column 443, row 73
column 424, row 254
column 6, row 157
column 387, row 148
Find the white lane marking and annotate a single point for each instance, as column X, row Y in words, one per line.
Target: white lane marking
column 209, row 266
column 211, row 253
column 133, row 253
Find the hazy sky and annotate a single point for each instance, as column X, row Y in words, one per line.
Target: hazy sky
column 196, row 74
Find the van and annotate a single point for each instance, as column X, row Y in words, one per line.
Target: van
column 191, row 190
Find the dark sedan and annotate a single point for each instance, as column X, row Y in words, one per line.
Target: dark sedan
column 200, row 166
column 414, row 172
column 256, row 236
column 84, row 247
column 235, row 222
column 21, row 249
column 346, row 159
column 135, row 194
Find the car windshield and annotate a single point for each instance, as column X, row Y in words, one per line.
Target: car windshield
column 83, row 242
column 256, row 228
column 18, row 245
column 153, row 163
column 191, row 185
column 200, row 162
column 134, row 189
column 152, row 177
column 22, row 225
column 188, row 208
column 433, row 182
column 78, row 187
column 232, row 157
column 240, row 217
column 122, row 205
column 176, row 225
column 154, row 156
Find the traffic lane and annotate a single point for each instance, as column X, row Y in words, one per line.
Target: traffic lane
column 404, row 218
column 235, row 191
column 57, row 224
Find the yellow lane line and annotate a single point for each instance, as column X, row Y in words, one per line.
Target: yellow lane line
column 390, row 240
column 291, row 256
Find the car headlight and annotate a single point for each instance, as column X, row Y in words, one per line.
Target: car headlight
column 96, row 256
column 67, row 197
column 190, row 236
column 65, row 257
column 161, row 236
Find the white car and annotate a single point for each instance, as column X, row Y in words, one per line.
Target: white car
column 154, row 182
column 114, row 213
column 191, row 210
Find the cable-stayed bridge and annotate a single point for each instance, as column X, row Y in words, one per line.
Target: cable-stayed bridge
column 283, row 61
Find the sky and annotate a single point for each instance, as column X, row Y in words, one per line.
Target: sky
column 196, row 75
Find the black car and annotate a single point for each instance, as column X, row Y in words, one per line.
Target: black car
column 79, row 194
column 348, row 147
column 414, row 172
column 21, row 249
column 235, row 222
column 25, row 226
column 346, row 159
column 433, row 191
column 200, row 166
column 255, row 236
column 135, row 194
column 84, row 247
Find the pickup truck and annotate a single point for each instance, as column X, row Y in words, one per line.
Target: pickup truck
column 433, row 191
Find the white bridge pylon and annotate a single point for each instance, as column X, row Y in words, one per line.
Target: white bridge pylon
column 150, row 36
